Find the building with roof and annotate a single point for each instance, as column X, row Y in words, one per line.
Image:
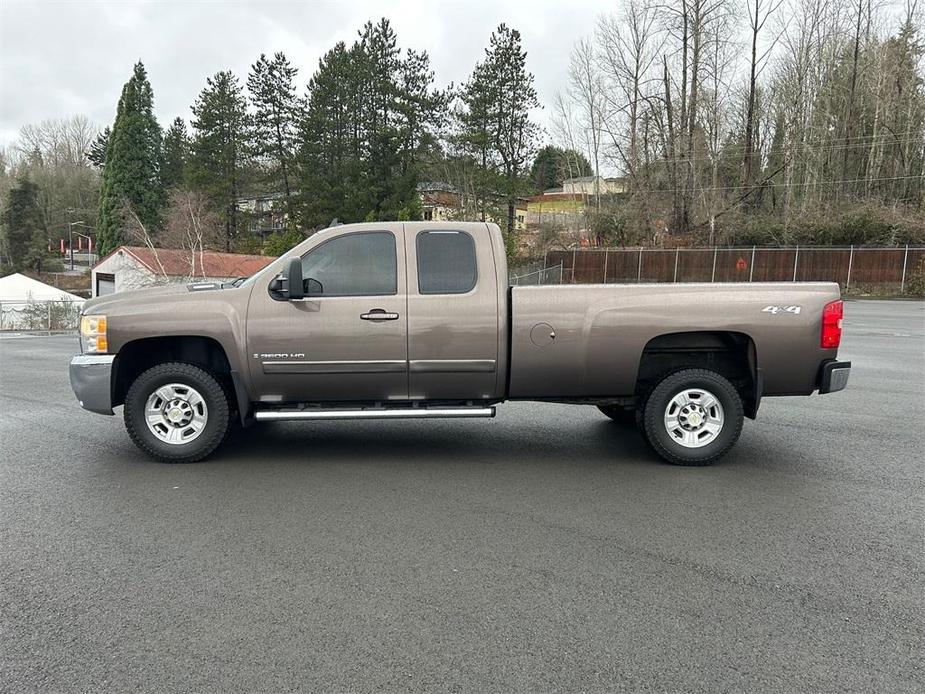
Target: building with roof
column 136, row 267
column 441, row 202
column 265, row 214
column 591, row 185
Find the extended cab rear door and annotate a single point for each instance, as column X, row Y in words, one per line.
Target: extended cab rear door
column 453, row 312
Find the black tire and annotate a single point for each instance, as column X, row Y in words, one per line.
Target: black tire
column 627, row 417
column 212, row 392
column 660, row 439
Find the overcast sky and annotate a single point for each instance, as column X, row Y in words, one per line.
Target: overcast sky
column 71, row 57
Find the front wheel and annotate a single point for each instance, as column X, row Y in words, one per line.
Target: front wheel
column 176, row 412
column 693, row 417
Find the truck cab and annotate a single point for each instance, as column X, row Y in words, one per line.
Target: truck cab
column 404, row 312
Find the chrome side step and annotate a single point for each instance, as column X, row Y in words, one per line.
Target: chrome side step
column 280, row 415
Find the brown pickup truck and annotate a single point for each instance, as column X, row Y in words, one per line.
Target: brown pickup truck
column 416, row 319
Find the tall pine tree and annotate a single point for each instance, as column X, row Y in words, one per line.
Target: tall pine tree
column 273, row 95
column 371, row 116
column 132, row 169
column 553, row 165
column 499, row 96
column 24, row 234
column 96, row 155
column 220, row 156
column 176, row 154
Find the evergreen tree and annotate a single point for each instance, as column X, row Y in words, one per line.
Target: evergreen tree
column 476, row 121
column 553, row 165
column 273, row 95
column 23, row 233
column 176, row 154
column 132, row 169
column 496, row 121
column 370, row 119
column 220, row 155
column 330, row 143
column 97, row 153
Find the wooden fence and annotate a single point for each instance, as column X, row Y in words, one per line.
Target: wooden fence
column 885, row 269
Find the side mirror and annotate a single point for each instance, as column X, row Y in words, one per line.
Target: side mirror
column 294, row 279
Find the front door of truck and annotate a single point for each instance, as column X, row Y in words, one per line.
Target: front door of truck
column 347, row 339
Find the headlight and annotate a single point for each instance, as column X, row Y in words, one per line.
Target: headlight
column 93, row 334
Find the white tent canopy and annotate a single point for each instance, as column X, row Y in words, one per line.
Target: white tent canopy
column 19, row 288
column 27, row 304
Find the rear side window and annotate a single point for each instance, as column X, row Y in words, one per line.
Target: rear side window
column 362, row 264
column 446, row 262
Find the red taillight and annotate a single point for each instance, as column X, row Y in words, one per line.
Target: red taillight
column 832, row 316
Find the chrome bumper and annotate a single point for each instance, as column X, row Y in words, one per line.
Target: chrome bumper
column 834, row 376
column 91, row 381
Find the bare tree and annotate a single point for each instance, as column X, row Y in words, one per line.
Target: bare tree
column 626, row 58
column 586, row 89
column 759, row 11
column 190, row 226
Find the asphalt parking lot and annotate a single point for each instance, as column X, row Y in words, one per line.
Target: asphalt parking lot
column 546, row 549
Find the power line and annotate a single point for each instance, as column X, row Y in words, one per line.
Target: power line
column 786, row 185
column 813, row 149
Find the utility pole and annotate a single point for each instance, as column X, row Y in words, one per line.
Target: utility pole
column 70, row 238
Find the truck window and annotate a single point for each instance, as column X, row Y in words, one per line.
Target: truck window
column 446, row 262
column 362, row 264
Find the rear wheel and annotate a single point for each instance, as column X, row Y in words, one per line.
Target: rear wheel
column 176, row 412
column 693, row 417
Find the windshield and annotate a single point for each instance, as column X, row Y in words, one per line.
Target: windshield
column 244, row 281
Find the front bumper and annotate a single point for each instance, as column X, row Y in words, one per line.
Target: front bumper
column 834, row 376
column 91, row 380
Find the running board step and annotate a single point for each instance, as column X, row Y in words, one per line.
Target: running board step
column 375, row 413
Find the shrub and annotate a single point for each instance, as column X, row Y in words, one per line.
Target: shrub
column 915, row 284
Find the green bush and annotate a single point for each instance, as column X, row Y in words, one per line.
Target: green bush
column 49, row 315
column 915, row 285
column 281, row 242
column 867, row 225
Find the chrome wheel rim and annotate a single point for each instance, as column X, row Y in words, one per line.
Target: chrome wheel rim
column 694, row 418
column 176, row 413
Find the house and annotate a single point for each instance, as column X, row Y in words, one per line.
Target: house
column 565, row 205
column 266, row 214
column 136, row 267
column 592, row 185
column 441, row 202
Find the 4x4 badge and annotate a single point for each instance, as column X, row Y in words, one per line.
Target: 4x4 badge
column 774, row 310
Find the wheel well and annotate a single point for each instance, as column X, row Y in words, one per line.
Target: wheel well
column 729, row 353
column 137, row 356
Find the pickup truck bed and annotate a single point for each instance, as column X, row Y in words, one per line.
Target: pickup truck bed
column 601, row 332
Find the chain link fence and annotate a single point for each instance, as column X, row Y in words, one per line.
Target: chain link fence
column 542, row 275
column 39, row 315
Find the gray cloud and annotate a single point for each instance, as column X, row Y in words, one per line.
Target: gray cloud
column 63, row 58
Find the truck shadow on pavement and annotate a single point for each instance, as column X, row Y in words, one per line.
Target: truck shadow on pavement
column 602, row 443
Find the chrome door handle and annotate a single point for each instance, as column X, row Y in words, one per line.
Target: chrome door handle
column 378, row 314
